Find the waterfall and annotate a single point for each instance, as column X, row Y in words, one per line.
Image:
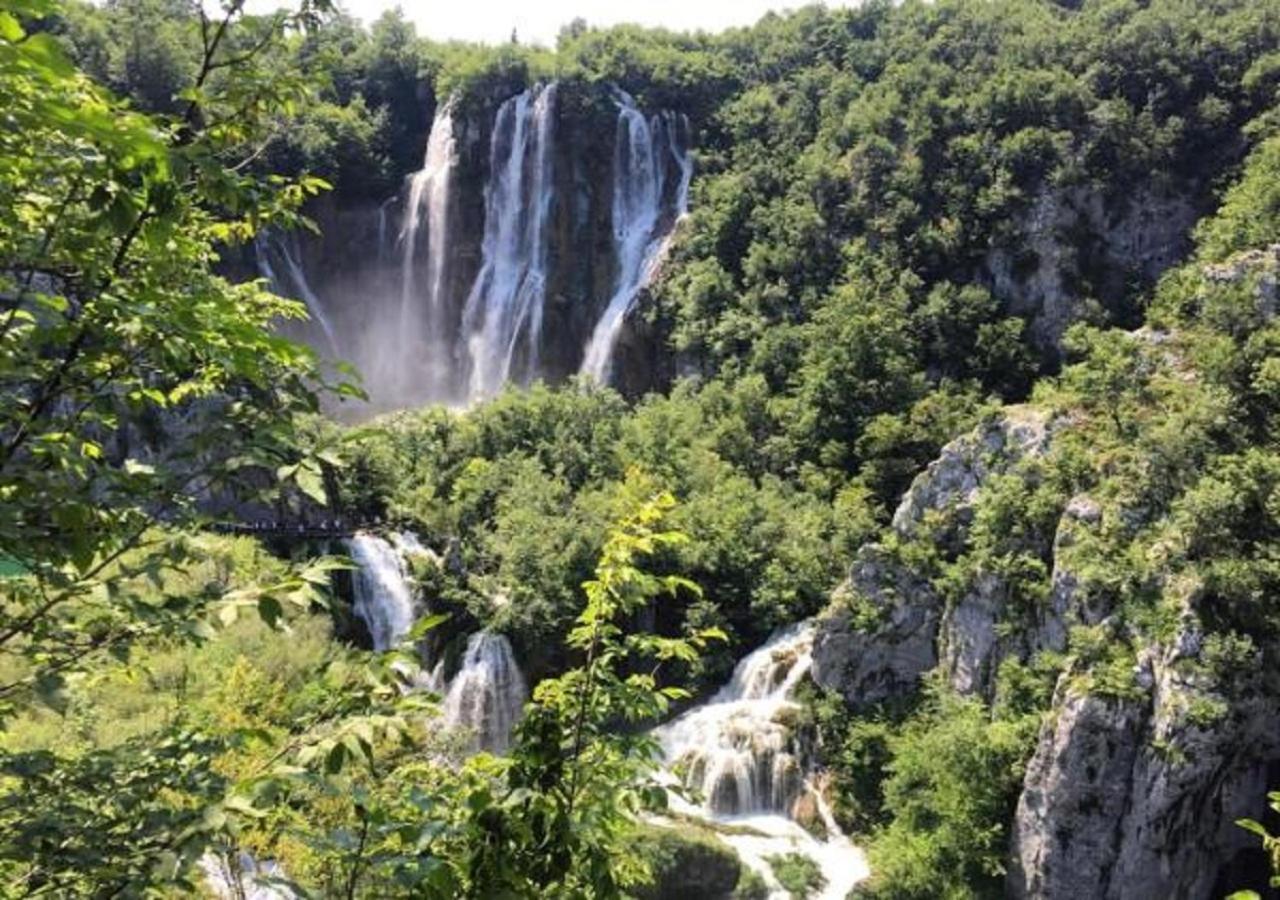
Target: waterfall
column 503, row 312
column 423, row 338
column 410, row 313
column 384, row 599
column 487, row 695
column 645, row 152
column 737, row 751
column 241, row 877
column 383, row 250
column 286, row 248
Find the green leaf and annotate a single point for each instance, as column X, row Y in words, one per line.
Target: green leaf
column 10, row 30
column 311, row 483
column 426, row 624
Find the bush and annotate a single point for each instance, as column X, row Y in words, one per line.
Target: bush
column 797, row 873
column 688, row 864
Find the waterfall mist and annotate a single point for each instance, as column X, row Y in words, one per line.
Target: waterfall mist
column 516, row 253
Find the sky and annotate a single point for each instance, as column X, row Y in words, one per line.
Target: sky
column 538, row 21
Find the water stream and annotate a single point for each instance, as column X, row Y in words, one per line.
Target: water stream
column 738, row 755
column 269, row 248
column 486, row 696
column 424, row 346
column 384, row 597
column 651, row 173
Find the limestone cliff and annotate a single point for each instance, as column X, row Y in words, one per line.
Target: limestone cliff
column 1145, row 757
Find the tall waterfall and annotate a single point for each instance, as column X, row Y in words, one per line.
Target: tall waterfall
column 650, row 164
column 503, row 261
column 487, row 695
column 502, row 317
column 423, row 322
column 285, row 249
column 737, row 751
column 383, row 597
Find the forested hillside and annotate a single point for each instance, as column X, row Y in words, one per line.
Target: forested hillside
column 909, row 486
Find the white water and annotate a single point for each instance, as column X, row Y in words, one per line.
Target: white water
column 737, row 754
column 384, row 599
column 648, row 157
column 422, row 331
column 286, row 248
column 503, row 312
column 239, row 881
column 486, row 697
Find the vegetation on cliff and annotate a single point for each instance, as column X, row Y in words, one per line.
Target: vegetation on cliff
column 874, row 190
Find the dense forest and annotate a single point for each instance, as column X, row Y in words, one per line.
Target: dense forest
column 920, row 527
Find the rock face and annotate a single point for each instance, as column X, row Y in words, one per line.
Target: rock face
column 950, row 484
column 1137, row 776
column 868, row 665
column 889, row 626
column 1136, row 796
column 1260, row 266
column 1072, row 244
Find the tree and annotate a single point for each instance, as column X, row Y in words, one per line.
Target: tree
column 142, row 394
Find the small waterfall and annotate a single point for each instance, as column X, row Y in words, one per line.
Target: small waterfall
column 736, row 748
column 487, row 695
column 238, row 877
column 384, row 599
column 645, row 153
column 502, row 316
column 286, row 248
column 383, row 249
column 738, row 752
column 423, row 337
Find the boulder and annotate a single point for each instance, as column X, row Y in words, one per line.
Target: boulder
column 689, row 863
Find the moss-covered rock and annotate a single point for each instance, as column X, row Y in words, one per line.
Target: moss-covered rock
column 689, row 863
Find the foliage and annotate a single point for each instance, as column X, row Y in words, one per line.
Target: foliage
column 1270, row 844
column 797, row 873
column 686, row 862
column 139, row 385
column 948, row 795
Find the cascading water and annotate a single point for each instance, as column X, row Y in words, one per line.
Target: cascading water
column 487, row 695
column 737, row 752
column 285, row 248
column 384, row 599
column 736, row 749
column 650, row 164
column 502, row 316
column 468, row 289
column 241, row 877
column 423, row 324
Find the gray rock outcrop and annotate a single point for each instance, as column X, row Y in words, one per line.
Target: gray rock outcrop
column 1073, row 245
column 1136, row 796
column 889, row 625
